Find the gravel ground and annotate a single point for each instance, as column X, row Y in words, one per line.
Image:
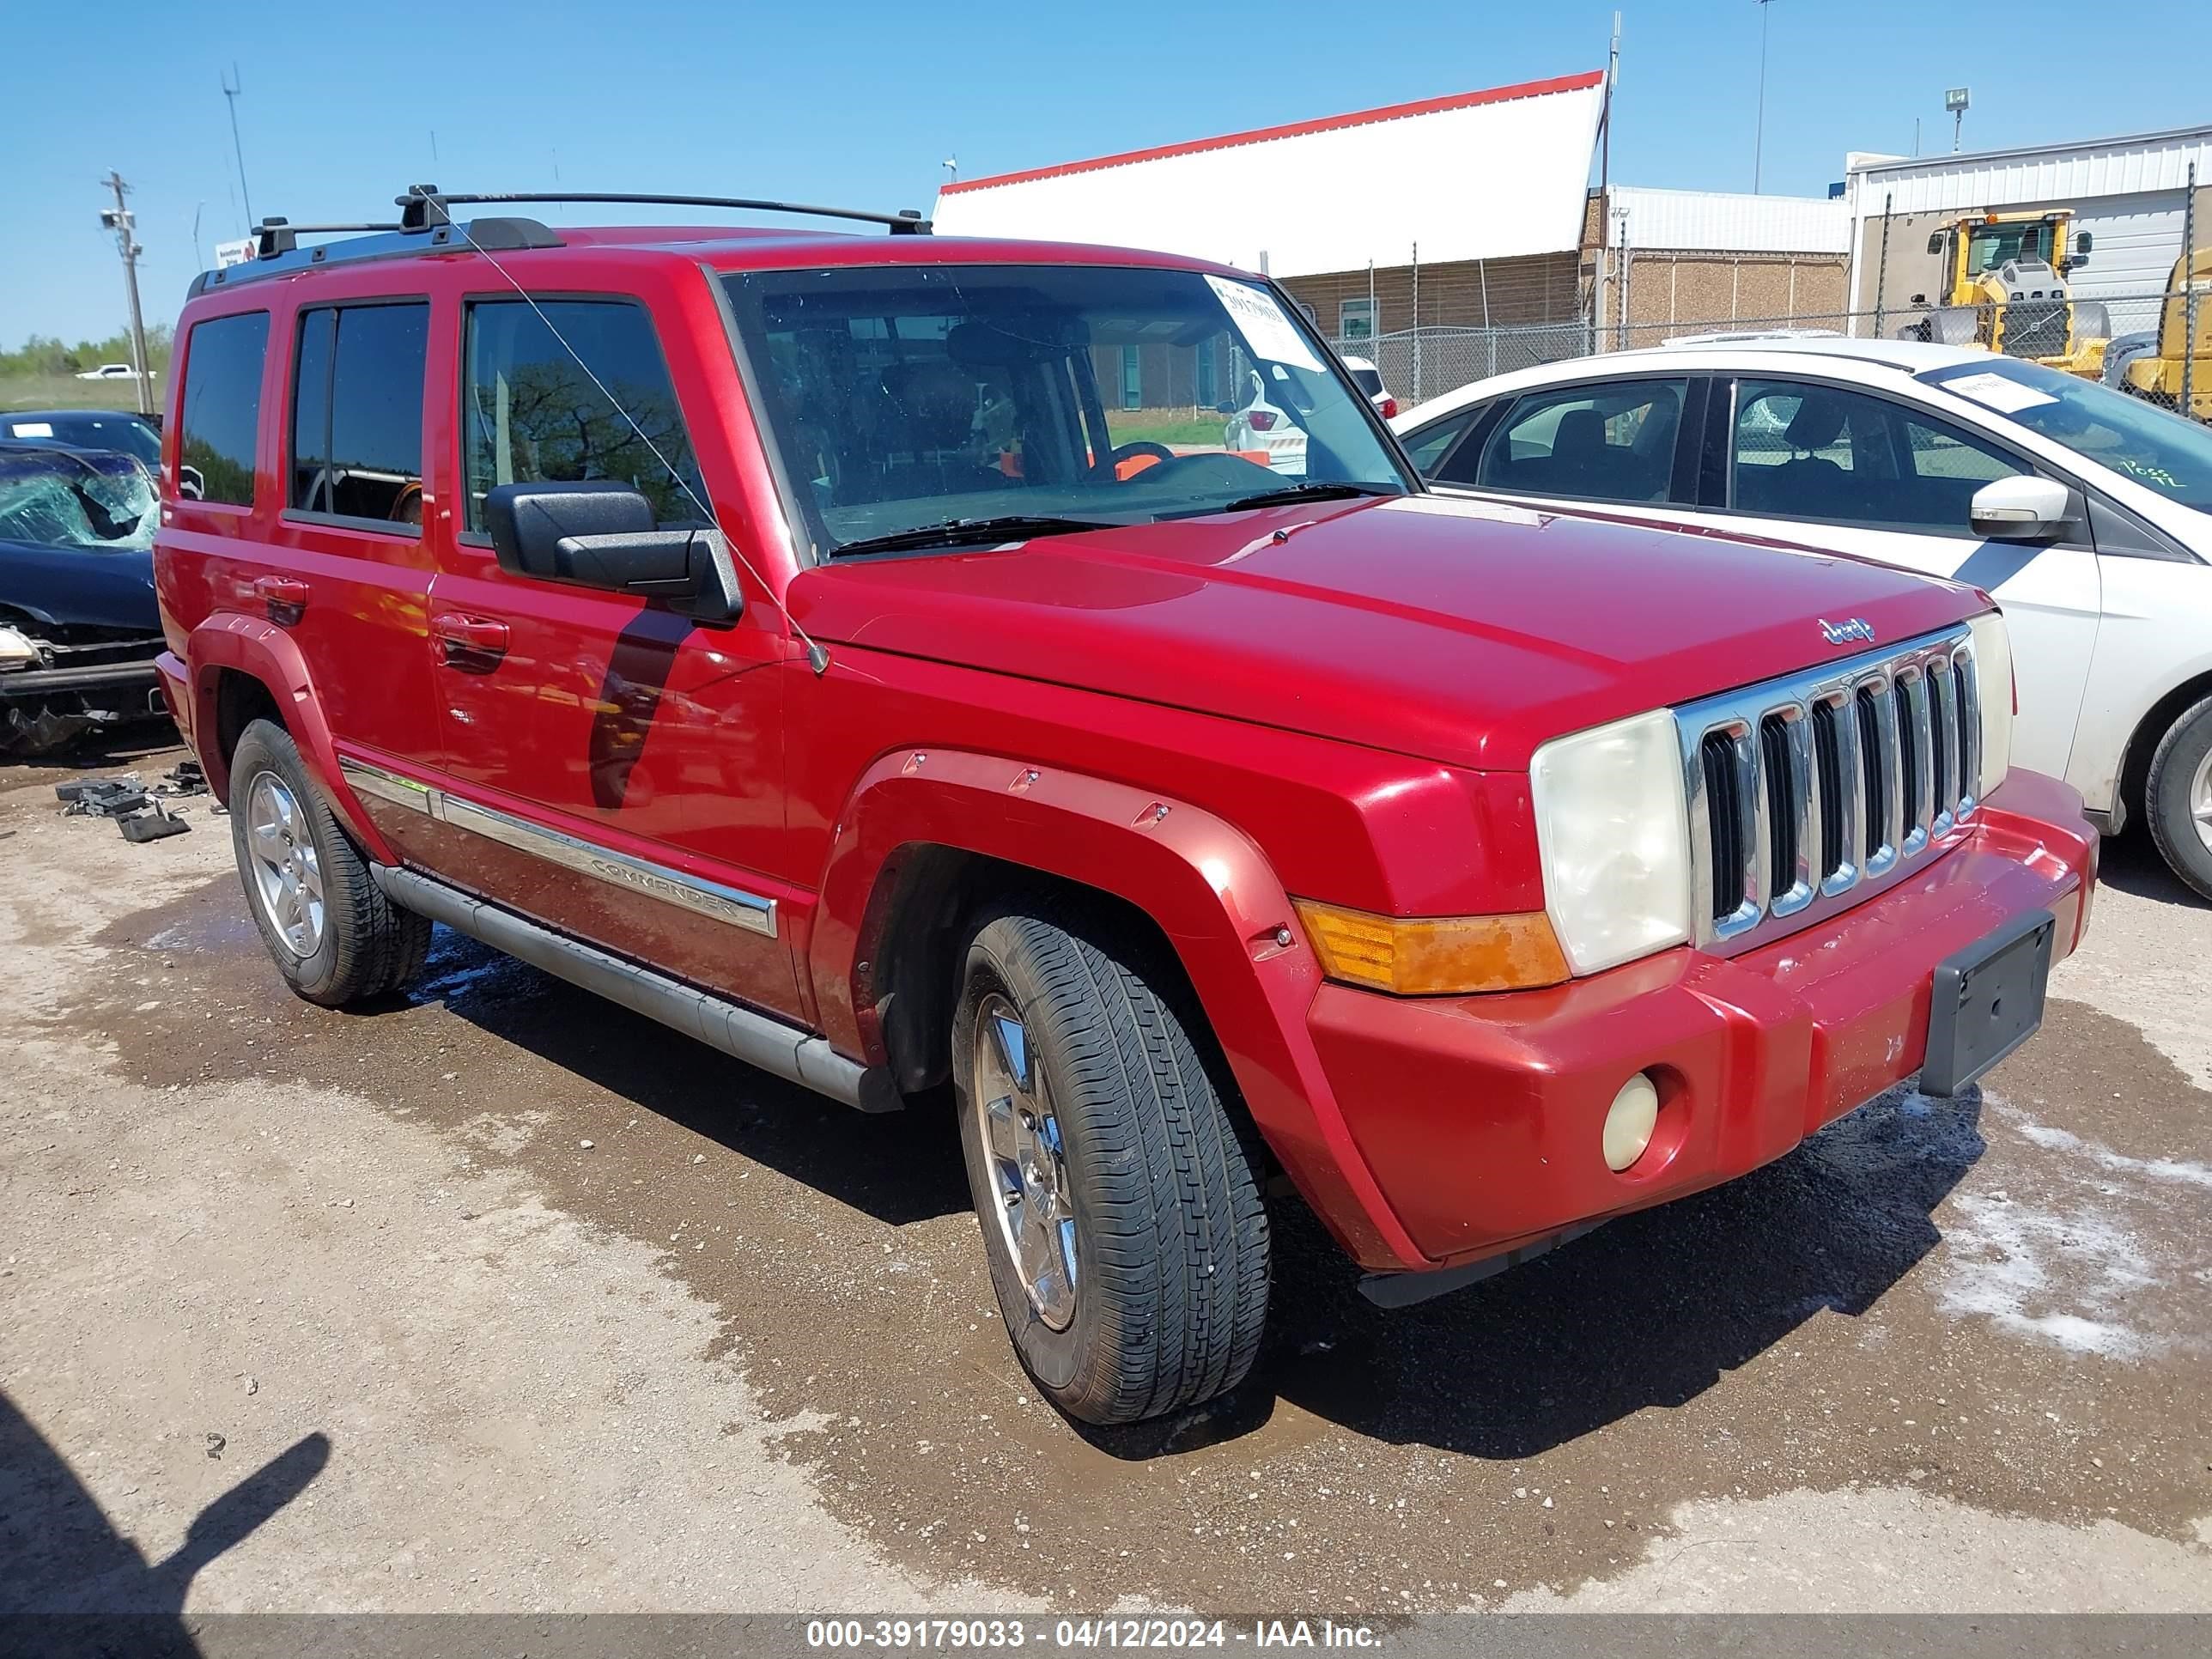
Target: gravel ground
column 502, row 1298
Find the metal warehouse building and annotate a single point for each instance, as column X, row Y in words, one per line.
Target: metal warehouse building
column 1469, row 212
column 2130, row 193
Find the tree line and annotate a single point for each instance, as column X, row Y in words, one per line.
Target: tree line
column 44, row 353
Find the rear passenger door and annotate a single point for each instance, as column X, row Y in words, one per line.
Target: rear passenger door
column 613, row 768
column 351, row 580
column 1835, row 467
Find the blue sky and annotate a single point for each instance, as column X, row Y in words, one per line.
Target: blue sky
column 858, row 102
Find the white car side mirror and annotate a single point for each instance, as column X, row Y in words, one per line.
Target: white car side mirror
column 2021, row 509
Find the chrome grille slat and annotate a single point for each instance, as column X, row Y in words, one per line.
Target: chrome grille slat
column 1808, row 793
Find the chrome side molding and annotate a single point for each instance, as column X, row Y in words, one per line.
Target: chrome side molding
column 734, row 905
column 788, row 1051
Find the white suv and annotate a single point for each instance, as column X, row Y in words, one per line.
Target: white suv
column 2086, row 514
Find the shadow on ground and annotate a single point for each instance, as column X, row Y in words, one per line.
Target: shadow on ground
column 70, row 1584
column 1650, row 1310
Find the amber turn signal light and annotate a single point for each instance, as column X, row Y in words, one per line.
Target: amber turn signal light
column 1434, row 956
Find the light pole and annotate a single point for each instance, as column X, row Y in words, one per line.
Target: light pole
column 119, row 219
column 1759, row 141
column 232, row 86
column 1954, row 101
column 951, row 165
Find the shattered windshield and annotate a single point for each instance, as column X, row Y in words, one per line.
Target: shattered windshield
column 942, row 400
column 55, row 498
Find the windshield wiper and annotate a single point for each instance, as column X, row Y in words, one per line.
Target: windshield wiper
column 963, row 532
column 1307, row 492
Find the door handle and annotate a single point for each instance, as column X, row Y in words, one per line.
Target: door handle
column 477, row 637
column 283, row 596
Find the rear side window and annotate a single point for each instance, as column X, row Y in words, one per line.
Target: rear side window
column 569, row 390
column 1611, row 442
column 222, row 408
column 356, row 444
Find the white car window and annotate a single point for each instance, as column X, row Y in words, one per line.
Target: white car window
column 1804, row 451
column 1613, row 442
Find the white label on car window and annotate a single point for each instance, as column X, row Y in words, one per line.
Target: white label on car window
column 1266, row 330
column 33, row 428
column 1998, row 392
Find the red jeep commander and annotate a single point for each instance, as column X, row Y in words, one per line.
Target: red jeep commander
column 868, row 655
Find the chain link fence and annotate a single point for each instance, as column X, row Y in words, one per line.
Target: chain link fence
column 2102, row 337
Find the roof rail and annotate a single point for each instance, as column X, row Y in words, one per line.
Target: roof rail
column 426, row 225
column 426, row 205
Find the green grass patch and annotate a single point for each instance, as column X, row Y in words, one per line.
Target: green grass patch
column 1164, row 426
column 18, row 391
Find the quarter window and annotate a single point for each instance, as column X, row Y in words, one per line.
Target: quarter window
column 1610, row 442
column 1427, row 447
column 356, row 445
column 600, row 407
column 1803, row 451
column 222, row 411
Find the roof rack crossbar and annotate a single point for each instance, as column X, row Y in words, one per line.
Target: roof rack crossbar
column 424, row 206
column 274, row 235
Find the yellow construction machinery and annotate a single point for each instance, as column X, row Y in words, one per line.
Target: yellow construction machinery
column 2004, row 288
column 2165, row 366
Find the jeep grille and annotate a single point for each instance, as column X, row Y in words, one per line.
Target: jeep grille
column 1810, row 792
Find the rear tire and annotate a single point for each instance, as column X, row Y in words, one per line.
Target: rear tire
column 333, row 934
column 1128, row 1195
column 2177, row 797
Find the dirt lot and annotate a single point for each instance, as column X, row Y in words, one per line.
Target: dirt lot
column 502, row 1299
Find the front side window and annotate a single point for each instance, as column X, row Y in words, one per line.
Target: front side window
column 356, row 445
column 2147, row 445
column 221, row 411
column 913, row 398
column 1805, row 451
column 571, row 391
column 1613, row 442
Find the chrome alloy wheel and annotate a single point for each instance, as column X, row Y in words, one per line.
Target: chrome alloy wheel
column 2200, row 799
column 1029, row 1169
column 287, row 876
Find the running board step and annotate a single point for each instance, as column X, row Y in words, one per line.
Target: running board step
column 794, row 1054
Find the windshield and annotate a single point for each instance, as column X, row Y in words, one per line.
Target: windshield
column 2138, row 441
column 908, row 397
column 1988, row 246
column 53, row 498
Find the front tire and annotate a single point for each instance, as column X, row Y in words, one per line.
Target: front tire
column 1121, row 1211
column 333, row 934
column 2177, row 797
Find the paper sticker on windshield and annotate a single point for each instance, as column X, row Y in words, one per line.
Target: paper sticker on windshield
column 1271, row 335
column 1997, row 392
column 34, row 430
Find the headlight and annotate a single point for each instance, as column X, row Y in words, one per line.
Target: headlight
column 1993, row 686
column 1613, row 829
column 16, row 651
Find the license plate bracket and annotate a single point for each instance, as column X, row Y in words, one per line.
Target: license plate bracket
column 1987, row 1000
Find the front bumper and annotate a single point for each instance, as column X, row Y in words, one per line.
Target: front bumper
column 1480, row 1117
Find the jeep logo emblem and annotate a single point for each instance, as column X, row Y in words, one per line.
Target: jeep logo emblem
column 1851, row 629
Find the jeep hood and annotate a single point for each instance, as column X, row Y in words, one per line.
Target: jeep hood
column 1457, row 631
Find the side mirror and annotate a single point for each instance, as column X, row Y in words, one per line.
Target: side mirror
column 1226, row 406
column 2021, row 509
column 2084, row 242
column 604, row 535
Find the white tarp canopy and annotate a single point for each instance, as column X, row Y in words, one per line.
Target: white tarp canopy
column 1478, row 175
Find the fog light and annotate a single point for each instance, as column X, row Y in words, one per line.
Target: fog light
column 1630, row 1121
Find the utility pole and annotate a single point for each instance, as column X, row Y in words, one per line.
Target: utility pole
column 1759, row 140
column 198, row 263
column 119, row 219
column 232, row 86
